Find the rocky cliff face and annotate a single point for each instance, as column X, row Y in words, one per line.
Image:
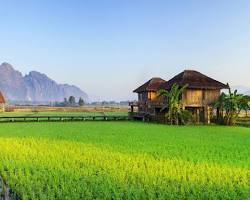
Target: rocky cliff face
column 12, row 83
column 34, row 87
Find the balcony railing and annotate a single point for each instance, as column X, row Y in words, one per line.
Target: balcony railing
column 133, row 103
column 147, row 103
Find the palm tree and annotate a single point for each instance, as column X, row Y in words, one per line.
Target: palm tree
column 174, row 105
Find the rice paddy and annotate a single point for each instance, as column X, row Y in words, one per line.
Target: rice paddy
column 125, row 160
column 59, row 113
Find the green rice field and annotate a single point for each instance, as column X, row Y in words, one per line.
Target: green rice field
column 125, row 160
column 34, row 114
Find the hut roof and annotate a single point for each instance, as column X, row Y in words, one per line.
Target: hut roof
column 2, row 99
column 151, row 85
column 194, row 80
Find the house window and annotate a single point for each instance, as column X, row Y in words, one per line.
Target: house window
column 149, row 95
column 153, row 95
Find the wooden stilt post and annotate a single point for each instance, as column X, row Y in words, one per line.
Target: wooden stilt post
column 132, row 108
column 198, row 115
column 206, row 114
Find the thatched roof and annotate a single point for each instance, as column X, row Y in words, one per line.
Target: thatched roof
column 2, row 99
column 194, row 80
column 151, row 85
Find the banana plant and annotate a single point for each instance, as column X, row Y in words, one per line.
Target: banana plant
column 245, row 104
column 174, row 105
column 229, row 106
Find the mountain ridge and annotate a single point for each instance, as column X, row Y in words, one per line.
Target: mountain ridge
column 241, row 89
column 34, row 86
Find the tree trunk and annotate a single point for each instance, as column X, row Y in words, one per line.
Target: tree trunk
column 177, row 120
column 217, row 113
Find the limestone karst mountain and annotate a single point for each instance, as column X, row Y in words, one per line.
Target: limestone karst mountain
column 34, row 87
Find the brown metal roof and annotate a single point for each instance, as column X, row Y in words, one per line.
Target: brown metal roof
column 194, row 80
column 2, row 99
column 151, row 85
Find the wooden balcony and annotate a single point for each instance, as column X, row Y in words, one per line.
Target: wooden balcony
column 156, row 103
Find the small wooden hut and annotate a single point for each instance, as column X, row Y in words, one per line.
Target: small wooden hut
column 147, row 96
column 2, row 102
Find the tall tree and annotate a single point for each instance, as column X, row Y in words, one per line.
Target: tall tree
column 72, row 100
column 81, row 102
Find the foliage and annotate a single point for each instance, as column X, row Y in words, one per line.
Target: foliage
column 245, row 104
column 72, row 100
column 185, row 116
column 175, row 114
column 81, row 102
column 230, row 105
column 220, row 105
column 125, row 160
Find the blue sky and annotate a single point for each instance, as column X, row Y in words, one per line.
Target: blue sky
column 108, row 48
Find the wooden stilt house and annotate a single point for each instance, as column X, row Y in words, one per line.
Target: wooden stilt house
column 201, row 92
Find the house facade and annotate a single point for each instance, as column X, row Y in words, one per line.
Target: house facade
column 201, row 92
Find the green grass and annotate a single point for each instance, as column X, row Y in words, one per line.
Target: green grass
column 125, row 160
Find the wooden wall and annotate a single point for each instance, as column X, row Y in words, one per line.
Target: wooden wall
column 2, row 107
column 148, row 101
column 199, row 98
column 147, row 96
column 142, row 97
column 211, row 96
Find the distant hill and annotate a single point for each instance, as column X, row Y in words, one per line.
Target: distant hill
column 34, row 87
column 242, row 89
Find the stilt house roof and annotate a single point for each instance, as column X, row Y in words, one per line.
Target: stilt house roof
column 150, row 86
column 194, row 80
